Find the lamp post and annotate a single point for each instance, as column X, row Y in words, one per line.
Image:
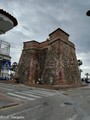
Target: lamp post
column 88, row 13
column 7, row 21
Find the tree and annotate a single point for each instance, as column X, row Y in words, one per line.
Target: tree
column 14, row 69
column 79, row 62
column 87, row 75
column 14, row 66
column 81, row 70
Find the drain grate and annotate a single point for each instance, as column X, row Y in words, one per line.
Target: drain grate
column 65, row 93
column 45, row 103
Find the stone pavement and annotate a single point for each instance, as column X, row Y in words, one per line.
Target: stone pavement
column 6, row 101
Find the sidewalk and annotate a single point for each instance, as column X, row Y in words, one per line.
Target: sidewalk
column 6, row 101
column 54, row 87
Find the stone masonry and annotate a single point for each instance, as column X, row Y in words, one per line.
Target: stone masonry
column 52, row 61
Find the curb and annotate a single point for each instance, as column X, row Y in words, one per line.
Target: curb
column 9, row 105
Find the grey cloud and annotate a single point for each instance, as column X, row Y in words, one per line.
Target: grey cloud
column 37, row 18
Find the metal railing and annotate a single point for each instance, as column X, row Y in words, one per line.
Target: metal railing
column 4, row 48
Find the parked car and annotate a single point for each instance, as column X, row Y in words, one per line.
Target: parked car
column 87, row 80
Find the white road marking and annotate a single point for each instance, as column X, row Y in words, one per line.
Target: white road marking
column 29, row 94
column 45, row 92
column 41, row 93
column 25, row 110
column 9, row 89
column 16, row 95
column 73, row 117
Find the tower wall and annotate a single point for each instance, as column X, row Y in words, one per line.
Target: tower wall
column 52, row 61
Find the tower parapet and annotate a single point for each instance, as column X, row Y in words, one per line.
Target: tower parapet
column 31, row 45
column 59, row 34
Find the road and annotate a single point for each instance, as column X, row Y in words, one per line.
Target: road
column 44, row 104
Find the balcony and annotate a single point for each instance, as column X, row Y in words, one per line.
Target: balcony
column 4, row 50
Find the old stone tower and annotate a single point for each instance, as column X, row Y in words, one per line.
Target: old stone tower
column 52, row 61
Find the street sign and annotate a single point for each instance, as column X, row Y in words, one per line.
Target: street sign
column 6, row 65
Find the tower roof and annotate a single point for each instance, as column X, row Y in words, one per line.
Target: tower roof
column 59, row 30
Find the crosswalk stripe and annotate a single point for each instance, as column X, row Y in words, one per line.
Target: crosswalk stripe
column 29, row 94
column 41, row 93
column 46, row 93
column 36, row 93
column 20, row 96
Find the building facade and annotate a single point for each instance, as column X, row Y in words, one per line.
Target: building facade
column 5, row 60
column 52, row 61
column 7, row 22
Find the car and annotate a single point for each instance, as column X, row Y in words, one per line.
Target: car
column 87, row 80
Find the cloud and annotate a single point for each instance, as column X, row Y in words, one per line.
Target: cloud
column 85, row 57
column 38, row 18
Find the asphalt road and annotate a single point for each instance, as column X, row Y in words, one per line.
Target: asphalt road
column 41, row 104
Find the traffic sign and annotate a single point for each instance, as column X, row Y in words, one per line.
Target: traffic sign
column 6, row 64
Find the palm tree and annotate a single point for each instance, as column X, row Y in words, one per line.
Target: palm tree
column 79, row 62
column 87, row 75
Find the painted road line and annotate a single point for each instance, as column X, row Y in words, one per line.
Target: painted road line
column 9, row 89
column 31, row 95
column 34, row 93
column 16, row 95
column 41, row 93
column 37, row 93
column 44, row 92
column 26, row 110
column 73, row 117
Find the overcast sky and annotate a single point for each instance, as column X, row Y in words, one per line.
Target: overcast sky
column 38, row 18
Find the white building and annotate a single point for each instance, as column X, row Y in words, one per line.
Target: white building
column 5, row 58
column 7, row 22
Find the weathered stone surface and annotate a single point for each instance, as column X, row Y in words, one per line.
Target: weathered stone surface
column 52, row 61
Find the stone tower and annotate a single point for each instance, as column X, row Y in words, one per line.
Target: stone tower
column 52, row 61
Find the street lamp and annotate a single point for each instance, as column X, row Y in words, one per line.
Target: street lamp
column 7, row 21
column 88, row 13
